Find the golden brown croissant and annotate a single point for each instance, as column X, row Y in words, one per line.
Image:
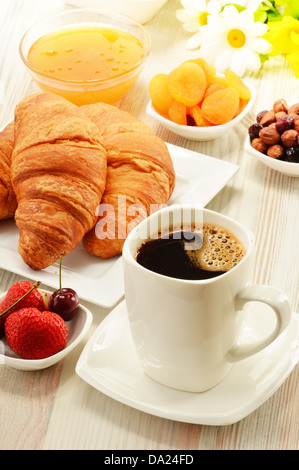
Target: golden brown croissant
column 8, row 202
column 58, row 172
column 140, row 177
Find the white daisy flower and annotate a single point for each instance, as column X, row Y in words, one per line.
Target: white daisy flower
column 194, row 15
column 233, row 40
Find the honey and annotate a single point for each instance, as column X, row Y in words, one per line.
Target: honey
column 84, row 57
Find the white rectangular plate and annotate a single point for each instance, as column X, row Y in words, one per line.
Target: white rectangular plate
column 198, row 179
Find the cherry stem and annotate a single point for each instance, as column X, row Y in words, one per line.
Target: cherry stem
column 60, row 265
column 35, row 286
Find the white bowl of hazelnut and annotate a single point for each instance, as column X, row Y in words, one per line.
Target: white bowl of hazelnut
column 274, row 138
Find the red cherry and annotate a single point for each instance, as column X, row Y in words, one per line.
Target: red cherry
column 64, row 301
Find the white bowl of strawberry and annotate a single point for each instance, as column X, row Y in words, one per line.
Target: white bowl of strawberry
column 32, row 336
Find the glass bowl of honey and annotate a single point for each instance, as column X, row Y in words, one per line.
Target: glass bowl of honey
column 86, row 56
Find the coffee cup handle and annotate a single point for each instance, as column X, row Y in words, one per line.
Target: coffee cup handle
column 279, row 304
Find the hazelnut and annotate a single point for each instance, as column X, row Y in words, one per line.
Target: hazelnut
column 269, row 135
column 280, row 105
column 259, row 145
column 296, row 120
column 275, row 151
column 279, row 115
column 267, row 118
column 289, row 138
column 294, row 108
column 260, row 115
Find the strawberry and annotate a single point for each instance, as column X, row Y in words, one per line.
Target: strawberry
column 33, row 334
column 14, row 300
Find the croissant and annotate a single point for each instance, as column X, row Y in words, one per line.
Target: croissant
column 58, row 173
column 140, row 177
column 8, row 202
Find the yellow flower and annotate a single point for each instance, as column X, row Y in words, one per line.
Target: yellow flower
column 293, row 60
column 283, row 35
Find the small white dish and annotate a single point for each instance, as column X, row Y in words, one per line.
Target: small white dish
column 202, row 133
column 109, row 363
column 77, row 327
column 287, row 168
column 100, row 281
column 140, row 10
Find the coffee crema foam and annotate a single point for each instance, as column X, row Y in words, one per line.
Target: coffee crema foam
column 221, row 250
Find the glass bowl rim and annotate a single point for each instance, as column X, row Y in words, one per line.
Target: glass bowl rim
column 91, row 81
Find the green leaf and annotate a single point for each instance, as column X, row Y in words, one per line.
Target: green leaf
column 267, row 12
column 264, row 58
column 260, row 15
column 274, row 16
column 292, row 9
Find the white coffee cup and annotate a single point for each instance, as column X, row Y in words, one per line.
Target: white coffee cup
column 185, row 331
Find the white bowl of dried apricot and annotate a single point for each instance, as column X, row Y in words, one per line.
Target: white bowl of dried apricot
column 197, row 103
column 273, row 138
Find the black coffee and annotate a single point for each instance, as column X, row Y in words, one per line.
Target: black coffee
column 176, row 255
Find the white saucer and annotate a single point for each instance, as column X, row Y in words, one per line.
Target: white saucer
column 109, row 363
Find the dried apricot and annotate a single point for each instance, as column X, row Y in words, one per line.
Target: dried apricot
column 178, row 113
column 187, row 83
column 159, row 94
column 232, row 79
column 220, row 80
column 242, row 105
column 209, row 70
column 196, row 113
column 192, row 94
column 214, row 87
column 221, row 107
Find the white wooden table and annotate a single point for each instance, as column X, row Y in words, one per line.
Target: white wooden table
column 56, row 409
